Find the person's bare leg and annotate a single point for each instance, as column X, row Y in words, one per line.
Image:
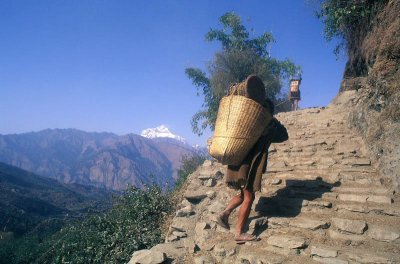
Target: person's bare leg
column 233, row 204
column 292, row 104
column 244, row 213
column 297, row 105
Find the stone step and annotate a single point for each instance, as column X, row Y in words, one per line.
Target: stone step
column 326, row 255
column 312, row 184
column 255, row 254
column 338, row 255
column 322, row 201
column 324, row 210
column 321, row 156
column 365, row 257
column 363, row 190
column 298, row 137
column 320, row 209
column 376, row 238
column 358, row 230
column 330, row 175
column 302, row 222
column 327, row 250
column 351, row 226
column 307, row 154
column 349, row 197
column 314, row 170
column 344, row 209
column 287, row 241
column 360, row 177
column 332, row 181
column 365, row 198
column 367, row 209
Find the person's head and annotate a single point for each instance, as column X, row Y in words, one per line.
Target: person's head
column 269, row 105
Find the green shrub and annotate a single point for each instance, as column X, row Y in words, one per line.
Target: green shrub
column 348, row 20
column 133, row 223
column 189, row 165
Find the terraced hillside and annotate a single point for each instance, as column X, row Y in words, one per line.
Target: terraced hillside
column 322, row 201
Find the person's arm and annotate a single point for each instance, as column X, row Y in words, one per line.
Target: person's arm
column 280, row 133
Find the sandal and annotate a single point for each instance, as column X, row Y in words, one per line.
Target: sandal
column 243, row 238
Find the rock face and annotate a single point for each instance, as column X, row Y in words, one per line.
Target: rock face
column 100, row 159
column 374, row 54
column 319, row 202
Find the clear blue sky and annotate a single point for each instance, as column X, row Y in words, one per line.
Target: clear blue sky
column 118, row 66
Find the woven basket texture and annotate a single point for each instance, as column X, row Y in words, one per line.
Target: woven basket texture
column 240, row 123
column 252, row 88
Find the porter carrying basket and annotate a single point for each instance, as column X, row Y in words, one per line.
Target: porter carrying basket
column 240, row 123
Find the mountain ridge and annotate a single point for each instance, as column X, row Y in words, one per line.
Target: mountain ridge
column 95, row 158
column 28, row 199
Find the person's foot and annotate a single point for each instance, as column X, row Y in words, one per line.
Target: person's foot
column 242, row 238
column 222, row 220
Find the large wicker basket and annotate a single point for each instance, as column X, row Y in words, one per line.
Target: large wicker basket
column 240, row 123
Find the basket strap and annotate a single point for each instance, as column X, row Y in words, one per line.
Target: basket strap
column 233, row 89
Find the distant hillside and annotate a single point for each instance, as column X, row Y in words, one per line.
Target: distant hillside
column 29, row 201
column 99, row 159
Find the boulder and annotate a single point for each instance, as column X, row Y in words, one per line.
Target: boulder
column 257, row 223
column 383, row 234
column 289, row 242
column 350, row 226
column 195, row 197
column 309, row 224
column 210, row 182
column 353, row 198
column 185, row 212
column 323, row 252
column 147, row 256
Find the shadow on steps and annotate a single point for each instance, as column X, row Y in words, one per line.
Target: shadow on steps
column 288, row 201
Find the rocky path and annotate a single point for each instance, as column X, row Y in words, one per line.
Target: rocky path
column 322, row 201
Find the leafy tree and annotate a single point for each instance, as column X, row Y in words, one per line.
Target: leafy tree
column 241, row 55
column 349, row 21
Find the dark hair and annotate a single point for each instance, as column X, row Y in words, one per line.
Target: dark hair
column 269, row 105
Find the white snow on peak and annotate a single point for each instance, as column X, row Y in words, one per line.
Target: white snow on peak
column 161, row 132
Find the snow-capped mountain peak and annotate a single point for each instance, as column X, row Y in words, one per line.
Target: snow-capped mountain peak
column 161, row 132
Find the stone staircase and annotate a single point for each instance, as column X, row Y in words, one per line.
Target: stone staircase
column 322, row 201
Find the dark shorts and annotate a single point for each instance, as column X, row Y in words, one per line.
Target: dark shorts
column 238, row 176
column 294, row 95
column 245, row 180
